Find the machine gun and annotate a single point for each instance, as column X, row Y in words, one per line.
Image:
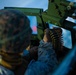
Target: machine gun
column 57, row 13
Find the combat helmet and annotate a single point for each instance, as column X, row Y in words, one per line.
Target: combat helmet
column 14, row 31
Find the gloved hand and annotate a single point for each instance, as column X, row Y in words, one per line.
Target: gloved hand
column 47, row 37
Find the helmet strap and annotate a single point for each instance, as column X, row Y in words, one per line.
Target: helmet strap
column 10, row 60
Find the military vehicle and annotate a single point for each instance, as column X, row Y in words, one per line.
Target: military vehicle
column 60, row 13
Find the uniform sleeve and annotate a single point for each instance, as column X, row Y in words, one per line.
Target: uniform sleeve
column 46, row 62
column 5, row 71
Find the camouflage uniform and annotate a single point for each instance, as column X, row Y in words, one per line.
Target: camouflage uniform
column 14, row 38
column 46, row 62
column 15, row 34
